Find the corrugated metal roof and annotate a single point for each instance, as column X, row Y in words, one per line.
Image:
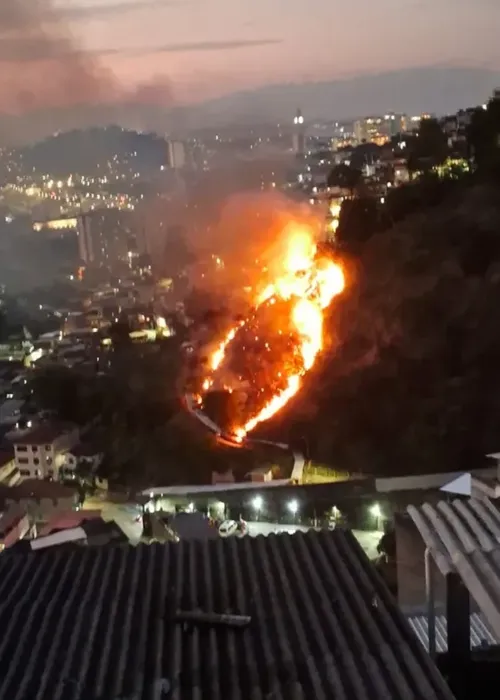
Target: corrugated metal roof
column 100, row 624
column 464, row 536
column 480, row 633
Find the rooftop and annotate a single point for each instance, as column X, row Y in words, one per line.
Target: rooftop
column 300, row 617
column 68, row 519
column 480, row 634
column 36, row 488
column 43, row 434
column 463, row 537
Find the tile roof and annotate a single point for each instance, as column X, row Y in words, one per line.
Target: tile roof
column 300, row 617
column 68, row 519
column 480, row 633
column 464, row 537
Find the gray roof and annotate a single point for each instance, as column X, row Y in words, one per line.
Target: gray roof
column 101, row 623
column 464, row 537
column 480, row 633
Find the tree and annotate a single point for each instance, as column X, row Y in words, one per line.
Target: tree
column 359, row 220
column 345, row 177
column 428, row 147
column 483, row 136
column 73, row 396
column 224, row 408
column 119, row 333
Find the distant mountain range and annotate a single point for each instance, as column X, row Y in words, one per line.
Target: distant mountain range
column 436, row 89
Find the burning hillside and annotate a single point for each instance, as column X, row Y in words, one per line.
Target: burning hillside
column 265, row 355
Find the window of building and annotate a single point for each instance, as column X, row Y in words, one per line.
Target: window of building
column 34, row 448
column 24, row 472
column 49, row 460
column 48, row 448
column 36, row 460
column 23, row 460
column 21, row 448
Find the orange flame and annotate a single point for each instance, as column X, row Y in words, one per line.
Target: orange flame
column 310, row 284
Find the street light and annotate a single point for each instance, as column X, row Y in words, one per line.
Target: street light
column 257, row 503
column 376, row 511
column 293, row 507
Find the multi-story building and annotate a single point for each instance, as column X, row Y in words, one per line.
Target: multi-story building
column 40, row 453
column 380, row 129
column 299, row 135
column 106, row 236
column 176, row 154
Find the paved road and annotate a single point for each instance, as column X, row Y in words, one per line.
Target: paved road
column 255, row 529
column 126, row 517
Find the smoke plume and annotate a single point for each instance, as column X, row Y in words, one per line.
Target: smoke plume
column 44, row 73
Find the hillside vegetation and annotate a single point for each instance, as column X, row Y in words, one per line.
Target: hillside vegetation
column 411, row 378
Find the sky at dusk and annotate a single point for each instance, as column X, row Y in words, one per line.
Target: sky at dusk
column 210, row 47
column 67, row 63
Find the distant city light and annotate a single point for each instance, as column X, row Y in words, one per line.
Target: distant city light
column 293, row 507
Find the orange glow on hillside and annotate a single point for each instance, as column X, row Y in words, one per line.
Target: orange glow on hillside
column 309, row 282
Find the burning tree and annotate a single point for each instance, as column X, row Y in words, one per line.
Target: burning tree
column 271, row 348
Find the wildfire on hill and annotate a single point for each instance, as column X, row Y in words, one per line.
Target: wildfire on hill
column 277, row 343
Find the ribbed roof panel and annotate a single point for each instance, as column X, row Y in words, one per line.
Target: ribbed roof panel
column 101, row 624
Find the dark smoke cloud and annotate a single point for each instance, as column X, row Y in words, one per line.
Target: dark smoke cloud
column 45, row 75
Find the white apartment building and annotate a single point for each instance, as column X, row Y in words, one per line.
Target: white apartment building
column 40, row 452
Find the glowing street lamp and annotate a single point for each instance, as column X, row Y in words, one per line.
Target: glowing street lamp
column 376, row 511
column 257, row 503
column 293, row 507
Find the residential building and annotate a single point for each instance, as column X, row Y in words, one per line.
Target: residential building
column 176, row 154
column 93, row 532
column 82, row 456
column 302, row 616
column 105, row 236
column 41, row 500
column 16, row 349
column 40, row 452
column 380, row 129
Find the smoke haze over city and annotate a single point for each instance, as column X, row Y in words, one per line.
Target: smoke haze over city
column 71, row 63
